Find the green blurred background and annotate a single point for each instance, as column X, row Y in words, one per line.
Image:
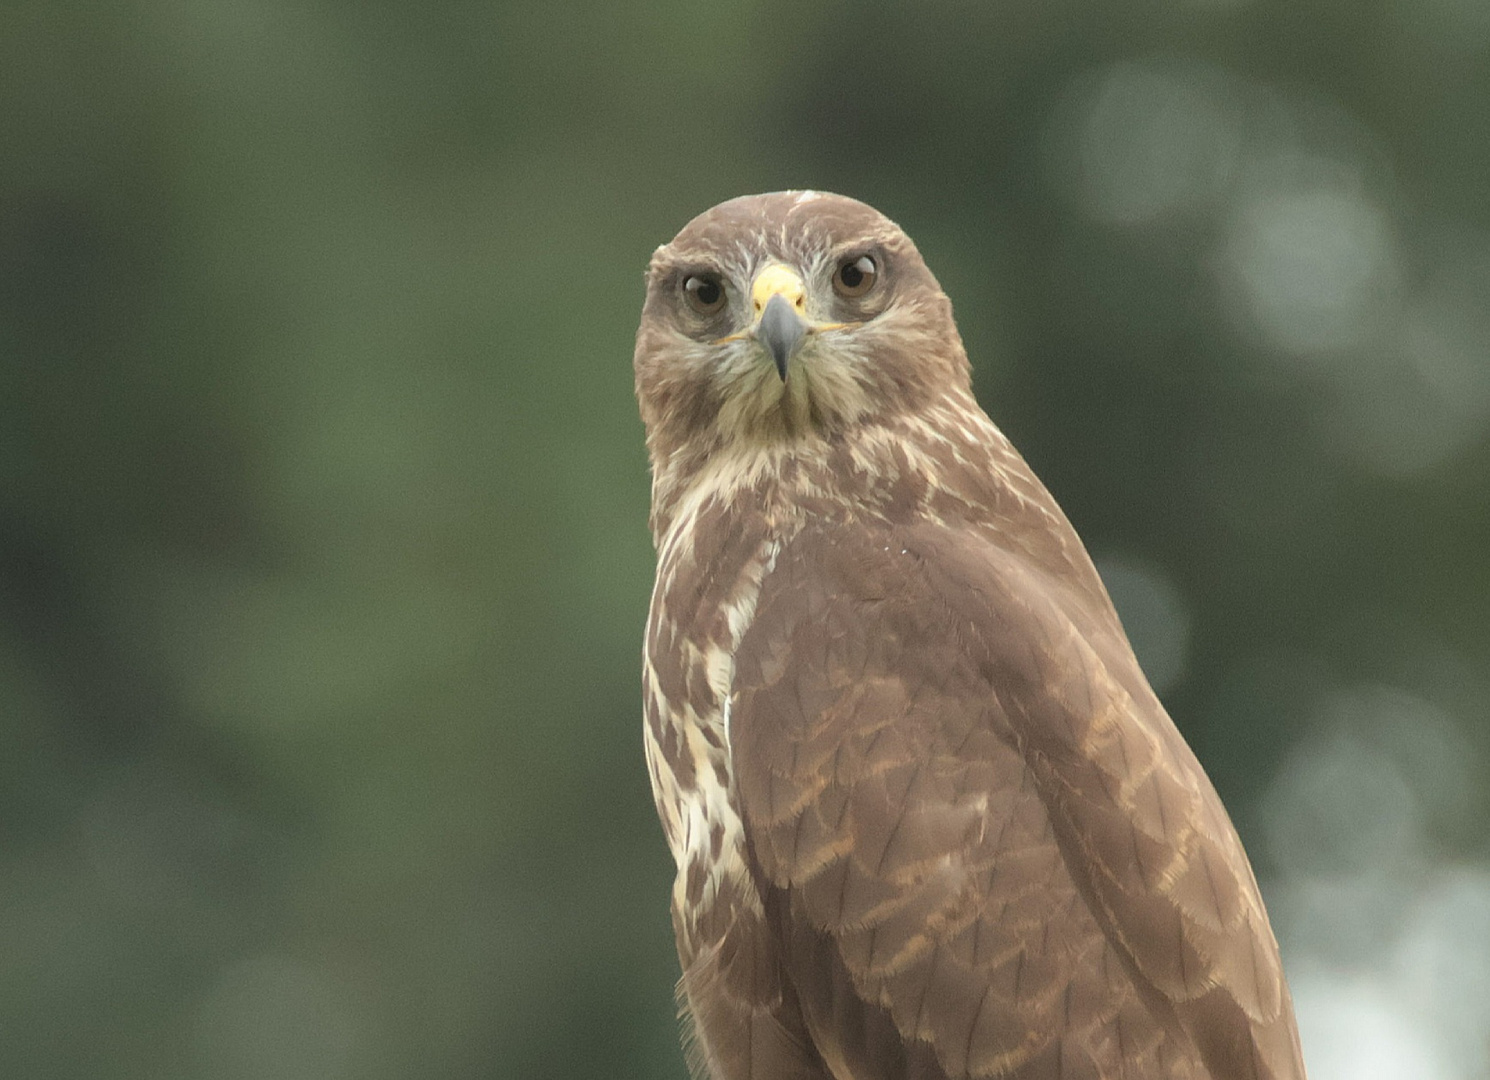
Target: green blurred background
column 323, row 499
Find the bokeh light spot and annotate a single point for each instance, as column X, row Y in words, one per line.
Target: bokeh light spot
column 1443, row 963
column 1310, row 269
column 1152, row 140
column 1154, row 614
column 1358, row 1030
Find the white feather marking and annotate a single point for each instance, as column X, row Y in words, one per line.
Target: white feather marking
column 694, row 815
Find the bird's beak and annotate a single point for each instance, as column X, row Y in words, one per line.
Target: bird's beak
column 779, row 298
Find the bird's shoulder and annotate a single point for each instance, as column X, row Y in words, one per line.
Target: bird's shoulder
column 948, row 775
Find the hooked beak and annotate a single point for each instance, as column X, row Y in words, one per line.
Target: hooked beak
column 779, row 297
column 780, row 329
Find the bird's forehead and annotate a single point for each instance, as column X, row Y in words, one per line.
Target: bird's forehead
column 793, row 226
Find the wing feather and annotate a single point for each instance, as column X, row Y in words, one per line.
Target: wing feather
column 980, row 836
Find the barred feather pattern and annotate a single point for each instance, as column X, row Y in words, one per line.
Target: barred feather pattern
column 929, row 820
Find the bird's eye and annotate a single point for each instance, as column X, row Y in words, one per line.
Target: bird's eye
column 705, row 293
column 855, row 276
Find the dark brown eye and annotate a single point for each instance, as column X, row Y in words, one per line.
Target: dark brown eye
column 855, row 277
column 705, row 294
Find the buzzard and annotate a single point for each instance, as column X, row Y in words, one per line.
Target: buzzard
column 930, row 821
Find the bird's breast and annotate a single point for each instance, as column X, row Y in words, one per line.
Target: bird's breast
column 709, row 577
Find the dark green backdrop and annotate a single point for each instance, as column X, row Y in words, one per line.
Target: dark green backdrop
column 323, row 547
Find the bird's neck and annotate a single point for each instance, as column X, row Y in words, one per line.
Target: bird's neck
column 895, row 468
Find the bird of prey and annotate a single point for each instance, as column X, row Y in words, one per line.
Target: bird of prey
column 930, row 822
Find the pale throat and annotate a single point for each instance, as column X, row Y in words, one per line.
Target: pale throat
column 827, row 389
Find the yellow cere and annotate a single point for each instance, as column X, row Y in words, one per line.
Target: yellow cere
column 778, row 279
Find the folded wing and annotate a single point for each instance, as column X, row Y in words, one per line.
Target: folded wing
column 984, row 848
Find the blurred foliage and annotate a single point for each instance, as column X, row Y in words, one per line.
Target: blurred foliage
column 323, row 548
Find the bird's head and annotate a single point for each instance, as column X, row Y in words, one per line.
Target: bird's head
column 786, row 316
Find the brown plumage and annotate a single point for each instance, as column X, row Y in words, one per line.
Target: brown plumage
column 930, row 821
